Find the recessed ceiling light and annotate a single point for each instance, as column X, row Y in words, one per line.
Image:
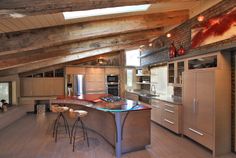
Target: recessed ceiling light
column 168, row 35
column 200, row 18
column 105, row 11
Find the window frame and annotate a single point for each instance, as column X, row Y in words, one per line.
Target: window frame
column 9, row 90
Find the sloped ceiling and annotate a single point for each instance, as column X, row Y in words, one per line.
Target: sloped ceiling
column 42, row 37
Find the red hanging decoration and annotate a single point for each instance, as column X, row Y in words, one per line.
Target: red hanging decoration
column 172, row 50
column 181, row 50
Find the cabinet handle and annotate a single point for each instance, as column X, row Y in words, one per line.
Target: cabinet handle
column 195, row 131
column 194, row 105
column 169, row 121
column 169, row 105
column 169, row 111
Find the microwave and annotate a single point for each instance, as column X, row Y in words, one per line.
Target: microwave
column 112, row 78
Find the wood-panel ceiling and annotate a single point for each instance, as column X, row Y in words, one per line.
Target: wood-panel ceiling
column 48, row 20
column 43, row 38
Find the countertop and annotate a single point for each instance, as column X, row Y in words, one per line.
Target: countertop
column 94, row 101
column 166, row 98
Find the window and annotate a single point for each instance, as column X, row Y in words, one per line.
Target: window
column 129, row 78
column 59, row 72
column 104, row 11
column 5, row 91
column 133, row 57
column 159, row 79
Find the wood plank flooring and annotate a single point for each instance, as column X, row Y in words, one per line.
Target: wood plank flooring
column 31, row 137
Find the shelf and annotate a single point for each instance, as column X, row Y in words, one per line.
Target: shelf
column 140, row 75
column 143, row 82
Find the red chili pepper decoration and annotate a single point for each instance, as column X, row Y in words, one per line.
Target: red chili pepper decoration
column 181, row 50
column 172, row 50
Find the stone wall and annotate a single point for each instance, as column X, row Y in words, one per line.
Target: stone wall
column 182, row 34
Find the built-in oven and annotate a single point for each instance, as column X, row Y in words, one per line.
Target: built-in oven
column 112, row 84
column 112, row 78
column 113, row 89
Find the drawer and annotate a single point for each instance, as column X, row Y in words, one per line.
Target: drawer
column 199, row 136
column 154, row 101
column 170, row 124
column 171, row 107
column 170, row 114
column 156, row 114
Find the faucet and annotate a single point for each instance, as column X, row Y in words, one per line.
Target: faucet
column 153, row 89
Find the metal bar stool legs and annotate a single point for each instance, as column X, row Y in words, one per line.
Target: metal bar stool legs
column 60, row 111
column 78, row 121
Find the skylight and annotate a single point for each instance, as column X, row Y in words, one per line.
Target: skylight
column 104, row 11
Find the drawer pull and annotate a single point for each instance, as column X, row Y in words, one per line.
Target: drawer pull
column 169, row 105
column 170, row 111
column 195, row 131
column 169, row 121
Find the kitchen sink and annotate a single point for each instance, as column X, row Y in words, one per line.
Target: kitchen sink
column 149, row 95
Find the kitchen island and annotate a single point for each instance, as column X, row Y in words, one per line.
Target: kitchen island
column 124, row 124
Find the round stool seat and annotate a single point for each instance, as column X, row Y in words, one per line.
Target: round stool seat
column 57, row 109
column 60, row 111
column 81, row 113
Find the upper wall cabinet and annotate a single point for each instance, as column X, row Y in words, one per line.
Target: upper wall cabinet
column 175, row 70
column 41, row 87
column 203, row 62
column 112, row 71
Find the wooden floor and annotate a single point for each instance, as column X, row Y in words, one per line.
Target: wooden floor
column 31, row 137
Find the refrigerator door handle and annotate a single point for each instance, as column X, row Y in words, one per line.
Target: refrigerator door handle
column 194, row 105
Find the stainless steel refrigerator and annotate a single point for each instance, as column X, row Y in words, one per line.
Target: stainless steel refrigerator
column 78, row 85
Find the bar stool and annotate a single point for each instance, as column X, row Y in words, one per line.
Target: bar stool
column 78, row 114
column 60, row 110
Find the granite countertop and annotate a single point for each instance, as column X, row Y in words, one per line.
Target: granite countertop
column 166, row 98
column 95, row 101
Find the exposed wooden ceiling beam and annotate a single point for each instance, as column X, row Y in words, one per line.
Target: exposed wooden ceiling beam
column 14, row 60
column 54, row 36
column 39, row 7
column 89, row 44
column 64, row 59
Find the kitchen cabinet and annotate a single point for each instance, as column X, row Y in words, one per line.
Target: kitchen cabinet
column 31, row 87
column 95, row 80
column 131, row 96
column 171, row 115
column 167, row 115
column 113, row 71
column 156, row 111
column 206, row 106
column 175, row 70
column 198, row 106
column 26, row 87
